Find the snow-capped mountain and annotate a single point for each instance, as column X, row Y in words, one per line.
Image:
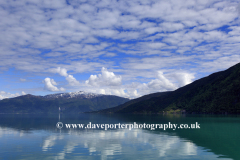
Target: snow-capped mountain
column 79, row 95
column 72, row 102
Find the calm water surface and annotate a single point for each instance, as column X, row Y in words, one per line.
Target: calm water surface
column 36, row 137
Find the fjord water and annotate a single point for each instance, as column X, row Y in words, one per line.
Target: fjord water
column 36, row 137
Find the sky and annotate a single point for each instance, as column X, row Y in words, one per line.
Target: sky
column 117, row 47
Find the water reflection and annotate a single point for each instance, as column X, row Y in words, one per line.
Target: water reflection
column 43, row 140
column 120, row 143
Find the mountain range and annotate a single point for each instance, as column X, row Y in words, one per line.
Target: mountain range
column 72, row 102
column 217, row 93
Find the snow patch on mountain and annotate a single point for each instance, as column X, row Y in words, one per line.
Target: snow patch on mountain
column 79, row 94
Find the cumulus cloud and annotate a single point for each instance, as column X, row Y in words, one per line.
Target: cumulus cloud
column 4, row 94
column 59, row 70
column 132, row 93
column 154, row 35
column 182, row 78
column 105, row 79
column 53, row 82
column 116, row 90
column 165, row 82
column 63, row 72
column 170, row 81
column 160, row 84
column 72, row 81
column 119, row 92
column 49, row 84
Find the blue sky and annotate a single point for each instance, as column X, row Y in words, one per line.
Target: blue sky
column 124, row 48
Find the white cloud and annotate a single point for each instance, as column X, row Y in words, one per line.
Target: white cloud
column 105, row 79
column 114, row 91
column 119, row 92
column 23, row 93
column 63, row 72
column 221, row 63
column 160, row 84
column 153, row 35
column 4, row 94
column 59, row 70
column 171, row 26
column 101, row 91
column 163, row 82
column 53, row 82
column 182, row 78
column 72, row 81
column 49, row 84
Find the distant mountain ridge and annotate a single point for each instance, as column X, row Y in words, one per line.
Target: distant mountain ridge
column 73, row 102
column 217, row 93
column 79, row 94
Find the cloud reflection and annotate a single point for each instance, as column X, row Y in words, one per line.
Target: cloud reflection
column 120, row 142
